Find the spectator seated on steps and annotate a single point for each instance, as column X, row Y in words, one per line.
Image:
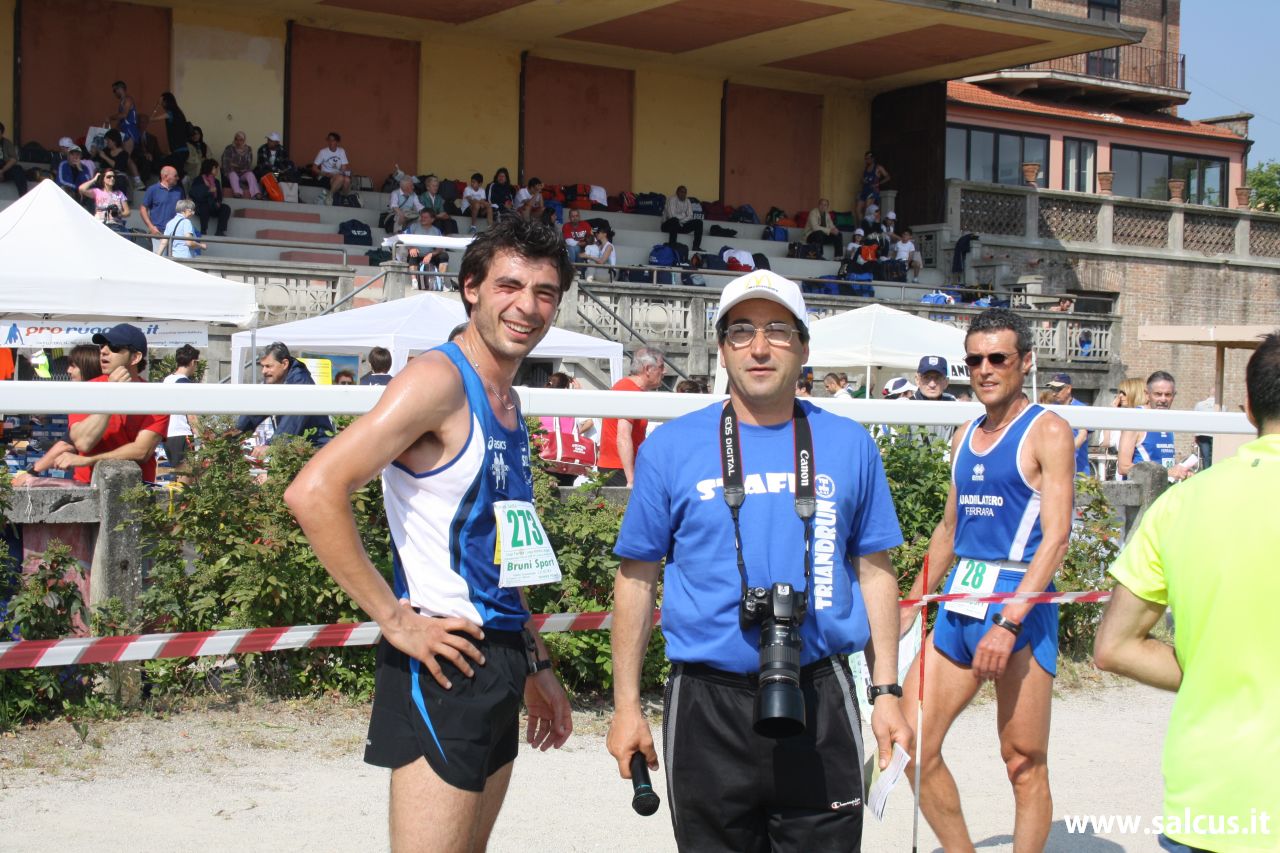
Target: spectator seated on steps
column 404, row 206
column 820, row 228
column 331, row 168
column 237, row 166
column 272, row 157
column 434, row 202
column 677, row 218
column 206, row 192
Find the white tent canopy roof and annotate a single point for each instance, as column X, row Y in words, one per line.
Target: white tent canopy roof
column 55, row 259
column 878, row 336
column 405, row 326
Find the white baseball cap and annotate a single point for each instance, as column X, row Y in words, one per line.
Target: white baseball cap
column 858, row 232
column 273, row 136
column 764, row 284
column 66, row 142
column 893, row 215
column 897, row 385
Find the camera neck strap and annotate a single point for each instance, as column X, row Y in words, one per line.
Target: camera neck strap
column 735, row 492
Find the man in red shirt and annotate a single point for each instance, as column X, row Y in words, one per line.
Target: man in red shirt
column 123, row 354
column 577, row 234
column 620, row 438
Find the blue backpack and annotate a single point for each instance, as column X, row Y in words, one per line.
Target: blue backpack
column 663, row 255
column 775, row 232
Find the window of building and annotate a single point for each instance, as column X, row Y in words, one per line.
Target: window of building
column 1104, row 63
column 957, row 153
column 1142, row 173
column 1019, row 4
column 996, row 157
column 1079, row 165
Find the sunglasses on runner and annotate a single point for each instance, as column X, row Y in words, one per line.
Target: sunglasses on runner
column 997, row 359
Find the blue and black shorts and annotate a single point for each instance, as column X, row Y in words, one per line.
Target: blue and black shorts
column 466, row 733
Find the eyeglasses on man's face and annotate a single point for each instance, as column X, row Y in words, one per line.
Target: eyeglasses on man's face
column 997, row 359
column 743, row 334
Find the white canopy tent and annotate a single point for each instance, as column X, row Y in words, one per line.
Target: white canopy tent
column 878, row 336
column 56, row 260
column 405, row 326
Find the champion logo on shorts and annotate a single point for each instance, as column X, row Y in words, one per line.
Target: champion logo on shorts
column 854, row 803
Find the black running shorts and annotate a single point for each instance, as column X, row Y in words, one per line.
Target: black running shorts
column 733, row 790
column 466, row 733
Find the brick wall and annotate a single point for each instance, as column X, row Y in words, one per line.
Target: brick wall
column 1157, row 292
column 1140, row 13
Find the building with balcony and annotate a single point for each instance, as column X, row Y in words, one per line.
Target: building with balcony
column 1106, row 119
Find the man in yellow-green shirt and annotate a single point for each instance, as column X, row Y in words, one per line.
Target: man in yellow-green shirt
column 1209, row 549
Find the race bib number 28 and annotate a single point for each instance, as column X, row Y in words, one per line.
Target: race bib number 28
column 522, row 548
column 973, row 577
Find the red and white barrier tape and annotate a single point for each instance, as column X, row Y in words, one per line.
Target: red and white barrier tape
column 1090, row 596
column 86, row 650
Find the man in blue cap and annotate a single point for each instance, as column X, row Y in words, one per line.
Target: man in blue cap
column 1060, row 386
column 931, row 384
column 123, row 356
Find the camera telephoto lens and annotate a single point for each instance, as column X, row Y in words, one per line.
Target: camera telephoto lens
column 779, row 700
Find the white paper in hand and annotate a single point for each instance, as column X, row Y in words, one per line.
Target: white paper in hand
column 882, row 782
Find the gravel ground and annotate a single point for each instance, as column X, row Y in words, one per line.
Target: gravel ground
column 288, row 776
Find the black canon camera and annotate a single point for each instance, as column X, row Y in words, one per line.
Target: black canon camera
column 779, row 612
column 114, row 210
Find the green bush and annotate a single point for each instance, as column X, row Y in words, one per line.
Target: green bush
column 1095, row 542
column 583, row 529
column 915, row 464
column 228, row 554
column 45, row 606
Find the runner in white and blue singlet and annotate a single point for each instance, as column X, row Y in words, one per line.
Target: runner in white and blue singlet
column 442, row 521
column 1004, row 529
column 457, row 656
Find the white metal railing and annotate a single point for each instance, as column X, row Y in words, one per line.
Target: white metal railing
column 207, row 399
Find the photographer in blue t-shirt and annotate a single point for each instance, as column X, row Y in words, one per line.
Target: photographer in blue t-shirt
column 774, row 519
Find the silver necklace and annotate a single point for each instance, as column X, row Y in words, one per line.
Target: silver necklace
column 1000, row 428
column 506, row 400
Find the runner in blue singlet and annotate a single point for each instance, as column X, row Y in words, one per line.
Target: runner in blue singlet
column 1005, row 529
column 1153, row 446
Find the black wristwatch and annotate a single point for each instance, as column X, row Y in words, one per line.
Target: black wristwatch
column 874, row 691
column 1009, row 625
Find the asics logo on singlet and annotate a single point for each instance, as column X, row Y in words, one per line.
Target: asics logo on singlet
column 497, row 444
column 978, row 471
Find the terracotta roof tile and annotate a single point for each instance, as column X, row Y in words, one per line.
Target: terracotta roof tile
column 978, row 96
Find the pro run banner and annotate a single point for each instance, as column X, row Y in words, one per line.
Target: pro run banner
column 31, row 333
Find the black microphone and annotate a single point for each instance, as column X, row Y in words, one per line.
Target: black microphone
column 645, row 801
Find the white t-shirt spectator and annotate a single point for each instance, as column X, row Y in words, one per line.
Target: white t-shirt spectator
column 606, row 255
column 178, row 424
column 332, row 162
column 902, row 250
column 473, row 193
